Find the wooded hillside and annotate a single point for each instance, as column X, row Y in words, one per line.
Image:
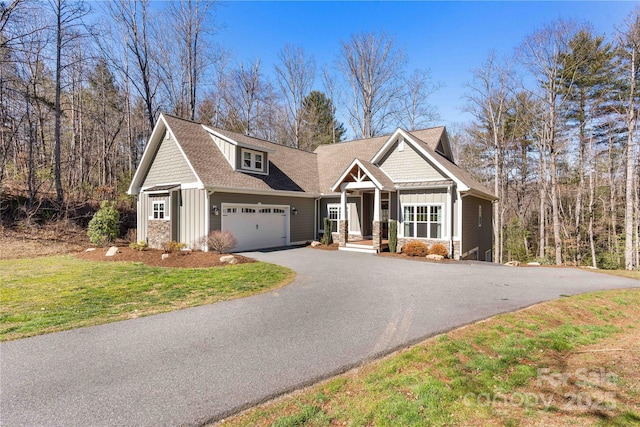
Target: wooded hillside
column 554, row 130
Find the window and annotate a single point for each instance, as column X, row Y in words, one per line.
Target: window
column 158, row 210
column 278, row 210
column 230, row 210
column 264, row 210
column 333, row 213
column 248, row 210
column 479, row 215
column 423, row 221
column 252, row 160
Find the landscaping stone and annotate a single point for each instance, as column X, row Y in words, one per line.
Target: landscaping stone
column 533, row 263
column 435, row 257
column 90, row 249
column 512, row 263
column 112, row 251
column 228, row 259
column 315, row 243
column 233, row 261
column 165, row 256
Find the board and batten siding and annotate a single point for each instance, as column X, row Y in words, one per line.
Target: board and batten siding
column 228, row 149
column 355, row 218
column 300, row 225
column 436, row 195
column 193, row 217
column 144, row 211
column 473, row 234
column 168, row 165
column 408, row 165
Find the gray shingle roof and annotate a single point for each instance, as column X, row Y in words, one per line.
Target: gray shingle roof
column 289, row 169
column 295, row 170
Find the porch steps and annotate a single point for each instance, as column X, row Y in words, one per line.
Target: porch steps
column 366, row 248
column 358, row 248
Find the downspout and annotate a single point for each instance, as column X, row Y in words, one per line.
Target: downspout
column 316, row 218
column 450, row 218
column 207, row 217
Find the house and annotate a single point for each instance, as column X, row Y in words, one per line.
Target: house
column 193, row 179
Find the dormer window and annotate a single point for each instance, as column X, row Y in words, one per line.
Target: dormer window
column 252, row 160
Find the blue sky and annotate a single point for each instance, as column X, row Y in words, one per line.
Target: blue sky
column 449, row 38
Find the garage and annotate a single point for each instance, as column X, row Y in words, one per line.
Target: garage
column 256, row 226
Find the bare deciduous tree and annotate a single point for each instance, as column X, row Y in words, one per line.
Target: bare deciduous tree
column 373, row 66
column 295, row 75
column 541, row 54
column 629, row 44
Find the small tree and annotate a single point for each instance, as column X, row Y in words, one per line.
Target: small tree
column 393, row 236
column 327, row 239
column 103, row 227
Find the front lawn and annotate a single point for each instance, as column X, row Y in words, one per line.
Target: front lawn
column 50, row 294
column 572, row 361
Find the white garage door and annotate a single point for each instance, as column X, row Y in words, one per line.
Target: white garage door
column 256, row 226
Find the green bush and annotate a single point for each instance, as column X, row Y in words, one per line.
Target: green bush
column 415, row 248
column 608, row 261
column 393, row 236
column 103, row 227
column 327, row 239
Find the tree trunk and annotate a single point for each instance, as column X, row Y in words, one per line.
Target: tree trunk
column 58, row 113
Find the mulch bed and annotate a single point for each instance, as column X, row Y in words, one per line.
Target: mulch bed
column 153, row 257
column 331, row 247
column 414, row 258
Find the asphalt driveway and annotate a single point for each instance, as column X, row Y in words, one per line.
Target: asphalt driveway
column 201, row 364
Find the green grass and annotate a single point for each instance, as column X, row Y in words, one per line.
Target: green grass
column 448, row 380
column 50, row 294
column 631, row 274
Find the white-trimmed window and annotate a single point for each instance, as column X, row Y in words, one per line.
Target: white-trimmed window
column 333, row 213
column 424, row 221
column 252, row 160
column 158, row 210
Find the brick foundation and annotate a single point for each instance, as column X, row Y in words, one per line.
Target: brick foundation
column 159, row 232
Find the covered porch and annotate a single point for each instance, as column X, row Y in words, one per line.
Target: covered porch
column 377, row 192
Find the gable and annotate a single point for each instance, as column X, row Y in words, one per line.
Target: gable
column 168, row 165
column 405, row 164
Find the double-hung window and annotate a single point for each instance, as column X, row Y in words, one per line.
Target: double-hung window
column 333, row 213
column 423, row 221
column 252, row 160
column 158, row 210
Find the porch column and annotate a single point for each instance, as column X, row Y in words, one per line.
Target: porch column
column 343, row 222
column 377, row 226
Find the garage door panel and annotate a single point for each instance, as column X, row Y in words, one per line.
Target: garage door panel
column 256, row 226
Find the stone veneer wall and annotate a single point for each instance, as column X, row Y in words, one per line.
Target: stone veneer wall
column 343, row 232
column 377, row 235
column 456, row 245
column 159, row 232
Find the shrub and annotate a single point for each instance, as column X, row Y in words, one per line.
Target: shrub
column 172, row 247
column 220, row 242
column 139, row 246
column 327, row 238
column 415, row 248
column 132, row 235
column 103, row 227
column 393, row 236
column 438, row 249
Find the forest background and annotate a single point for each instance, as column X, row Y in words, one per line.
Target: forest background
column 553, row 128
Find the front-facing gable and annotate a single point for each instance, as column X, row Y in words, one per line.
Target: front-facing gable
column 163, row 161
column 284, row 169
column 403, row 163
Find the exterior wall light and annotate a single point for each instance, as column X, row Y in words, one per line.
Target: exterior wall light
column 294, row 211
column 215, row 210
